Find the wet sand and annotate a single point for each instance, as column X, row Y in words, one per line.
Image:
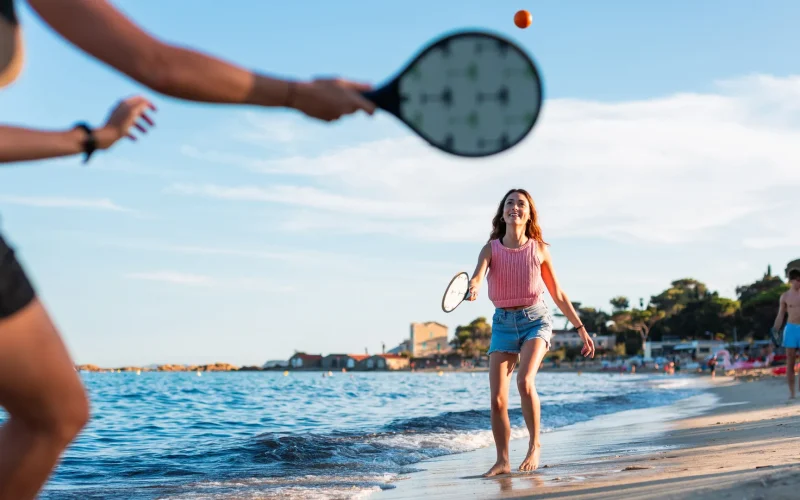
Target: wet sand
column 740, row 439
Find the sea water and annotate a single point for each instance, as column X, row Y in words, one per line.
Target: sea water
column 265, row 435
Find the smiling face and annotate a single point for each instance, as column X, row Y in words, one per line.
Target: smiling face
column 516, row 210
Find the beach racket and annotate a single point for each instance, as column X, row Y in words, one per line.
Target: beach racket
column 456, row 292
column 775, row 335
column 471, row 93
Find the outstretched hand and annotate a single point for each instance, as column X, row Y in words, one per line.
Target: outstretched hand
column 128, row 113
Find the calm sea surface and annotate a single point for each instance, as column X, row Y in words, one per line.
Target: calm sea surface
column 266, row 435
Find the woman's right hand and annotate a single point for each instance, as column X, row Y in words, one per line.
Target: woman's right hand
column 330, row 99
column 130, row 112
column 474, row 285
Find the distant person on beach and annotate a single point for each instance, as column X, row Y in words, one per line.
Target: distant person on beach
column 712, row 365
column 38, row 384
column 789, row 305
column 519, row 268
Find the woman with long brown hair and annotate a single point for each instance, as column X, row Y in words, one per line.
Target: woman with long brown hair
column 519, row 269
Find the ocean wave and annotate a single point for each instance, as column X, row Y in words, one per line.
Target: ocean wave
column 175, row 454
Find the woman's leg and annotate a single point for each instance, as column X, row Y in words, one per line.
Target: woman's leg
column 533, row 352
column 43, row 396
column 501, row 367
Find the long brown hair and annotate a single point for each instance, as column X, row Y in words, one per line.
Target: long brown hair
column 532, row 229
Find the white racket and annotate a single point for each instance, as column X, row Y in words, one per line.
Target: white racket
column 457, row 291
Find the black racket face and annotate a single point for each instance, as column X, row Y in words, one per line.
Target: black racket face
column 470, row 94
column 456, row 292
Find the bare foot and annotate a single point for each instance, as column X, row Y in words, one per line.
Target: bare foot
column 498, row 468
column 531, row 461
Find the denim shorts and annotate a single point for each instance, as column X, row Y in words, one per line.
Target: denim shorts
column 511, row 329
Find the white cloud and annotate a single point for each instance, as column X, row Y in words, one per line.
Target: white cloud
column 276, row 129
column 200, row 280
column 665, row 170
column 309, row 197
column 173, row 277
column 122, row 165
column 280, row 255
column 792, row 240
column 63, row 202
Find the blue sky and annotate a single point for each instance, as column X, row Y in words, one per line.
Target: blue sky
column 666, row 149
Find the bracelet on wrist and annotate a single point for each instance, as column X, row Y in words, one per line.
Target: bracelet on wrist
column 90, row 143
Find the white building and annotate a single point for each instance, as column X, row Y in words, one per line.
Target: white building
column 568, row 338
column 699, row 348
column 276, row 363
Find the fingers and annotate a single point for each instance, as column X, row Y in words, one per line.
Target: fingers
column 148, row 119
column 360, row 87
column 336, row 97
column 360, row 101
column 588, row 349
column 138, row 116
column 363, row 103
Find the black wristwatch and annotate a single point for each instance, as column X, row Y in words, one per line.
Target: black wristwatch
column 90, row 144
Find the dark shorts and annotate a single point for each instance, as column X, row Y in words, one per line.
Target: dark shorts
column 16, row 290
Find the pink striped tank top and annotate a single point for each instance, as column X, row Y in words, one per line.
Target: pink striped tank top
column 515, row 277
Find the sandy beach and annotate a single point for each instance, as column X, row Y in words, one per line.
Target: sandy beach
column 738, row 439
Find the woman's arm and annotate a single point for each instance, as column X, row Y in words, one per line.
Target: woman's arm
column 99, row 29
column 24, row 144
column 484, row 259
column 562, row 301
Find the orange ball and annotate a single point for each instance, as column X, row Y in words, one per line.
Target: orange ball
column 522, row 19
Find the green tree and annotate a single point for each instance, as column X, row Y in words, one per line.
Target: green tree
column 675, row 298
column 619, row 304
column 642, row 320
column 759, row 305
column 472, row 339
column 594, row 320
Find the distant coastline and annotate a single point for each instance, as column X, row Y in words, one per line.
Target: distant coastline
column 214, row 367
column 588, row 367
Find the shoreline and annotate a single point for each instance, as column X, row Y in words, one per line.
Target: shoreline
column 738, row 435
